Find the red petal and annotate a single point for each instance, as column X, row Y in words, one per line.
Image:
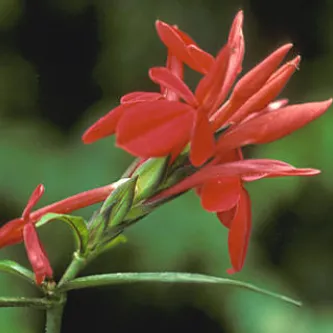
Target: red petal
column 165, row 78
column 239, row 233
column 272, row 168
column 220, row 195
column 236, row 29
column 174, row 40
column 204, row 60
column 280, row 173
column 199, row 60
column 175, row 65
column 176, row 68
column 184, row 36
column 250, row 83
column 210, row 86
column 106, row 125
column 277, row 104
column 256, row 78
column 227, row 217
column 237, row 46
column 267, row 93
column 11, row 232
column 154, row 129
column 140, row 96
column 34, row 198
column 273, row 125
column 177, row 41
column 36, row 254
column 227, row 66
column 202, row 140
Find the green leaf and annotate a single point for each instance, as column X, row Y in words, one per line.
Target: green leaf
column 77, row 224
column 168, row 277
column 12, row 267
column 151, row 173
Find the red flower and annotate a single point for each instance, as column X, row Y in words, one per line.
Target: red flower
column 35, row 250
column 156, row 124
column 36, row 254
column 221, row 188
column 150, row 127
column 12, row 232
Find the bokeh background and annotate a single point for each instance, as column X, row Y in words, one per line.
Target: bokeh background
column 63, row 64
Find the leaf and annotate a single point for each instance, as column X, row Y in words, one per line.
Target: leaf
column 166, row 277
column 77, row 224
column 12, row 267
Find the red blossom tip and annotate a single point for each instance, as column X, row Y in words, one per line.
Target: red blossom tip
column 164, row 77
column 177, row 42
column 140, row 96
column 34, row 198
column 36, row 254
column 256, row 78
column 203, row 59
column 268, row 92
column 239, row 233
column 273, row 125
column 236, row 27
column 104, row 126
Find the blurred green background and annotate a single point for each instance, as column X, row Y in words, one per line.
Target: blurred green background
column 63, row 64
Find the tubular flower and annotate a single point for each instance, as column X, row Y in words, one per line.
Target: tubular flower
column 12, row 232
column 35, row 250
column 221, row 189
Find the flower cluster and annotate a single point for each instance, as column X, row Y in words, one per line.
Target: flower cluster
column 186, row 140
column 214, row 122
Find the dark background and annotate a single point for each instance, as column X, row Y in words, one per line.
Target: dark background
column 63, row 64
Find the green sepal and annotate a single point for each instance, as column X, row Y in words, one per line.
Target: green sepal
column 107, row 245
column 178, row 175
column 118, row 203
column 105, row 224
column 138, row 212
column 12, row 267
column 78, row 225
column 151, row 174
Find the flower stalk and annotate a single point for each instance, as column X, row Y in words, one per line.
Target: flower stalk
column 54, row 315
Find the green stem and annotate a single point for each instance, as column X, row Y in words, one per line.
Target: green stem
column 54, row 316
column 77, row 264
column 37, row 303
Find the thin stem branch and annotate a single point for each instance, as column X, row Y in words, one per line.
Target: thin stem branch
column 77, row 264
column 37, row 303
